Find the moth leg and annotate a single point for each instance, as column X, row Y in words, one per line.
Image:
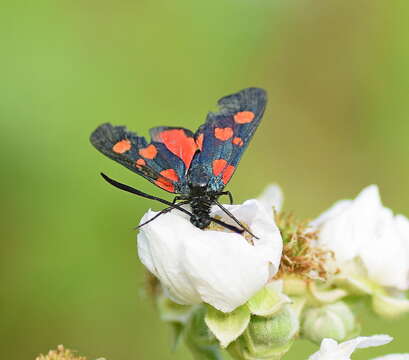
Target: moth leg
column 164, row 211
column 228, row 193
column 227, row 212
column 177, row 198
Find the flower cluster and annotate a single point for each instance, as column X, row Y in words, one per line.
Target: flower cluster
column 255, row 296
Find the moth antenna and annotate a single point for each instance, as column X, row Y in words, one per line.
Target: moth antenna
column 142, row 194
column 134, row 191
column 227, row 212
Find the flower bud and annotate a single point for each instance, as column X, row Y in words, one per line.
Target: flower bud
column 335, row 321
column 267, row 338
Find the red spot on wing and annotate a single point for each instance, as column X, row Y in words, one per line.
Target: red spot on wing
column 237, row 141
column 149, row 152
column 178, row 143
column 199, row 141
column 122, row 146
column 140, row 162
column 218, row 166
column 165, row 184
column 244, row 117
column 170, row 174
column 227, row 173
column 223, row 134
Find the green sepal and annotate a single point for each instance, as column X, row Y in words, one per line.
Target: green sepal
column 389, row 307
column 269, row 300
column 177, row 334
column 227, row 327
column 170, row 311
column 319, row 295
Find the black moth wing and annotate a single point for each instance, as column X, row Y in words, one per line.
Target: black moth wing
column 152, row 160
column 226, row 134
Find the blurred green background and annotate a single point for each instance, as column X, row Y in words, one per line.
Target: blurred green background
column 337, row 73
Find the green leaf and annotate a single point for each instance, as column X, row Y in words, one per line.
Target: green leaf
column 227, row 326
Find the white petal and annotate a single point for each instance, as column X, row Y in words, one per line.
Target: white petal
column 362, row 342
column 269, row 243
column 364, row 229
column 349, row 221
column 217, row 267
column 330, row 350
column 337, row 209
column 385, row 255
column 272, row 197
column 161, row 250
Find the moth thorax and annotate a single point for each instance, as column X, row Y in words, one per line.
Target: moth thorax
column 198, row 178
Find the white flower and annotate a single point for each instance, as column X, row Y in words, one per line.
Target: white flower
column 331, row 350
column 216, row 267
column 364, row 229
column 272, row 198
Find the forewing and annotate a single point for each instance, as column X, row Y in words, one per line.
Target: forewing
column 152, row 160
column 227, row 133
column 178, row 141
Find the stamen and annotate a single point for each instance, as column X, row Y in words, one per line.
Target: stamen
column 300, row 255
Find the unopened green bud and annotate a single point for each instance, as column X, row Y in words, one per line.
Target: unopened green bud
column 267, row 338
column 335, row 321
